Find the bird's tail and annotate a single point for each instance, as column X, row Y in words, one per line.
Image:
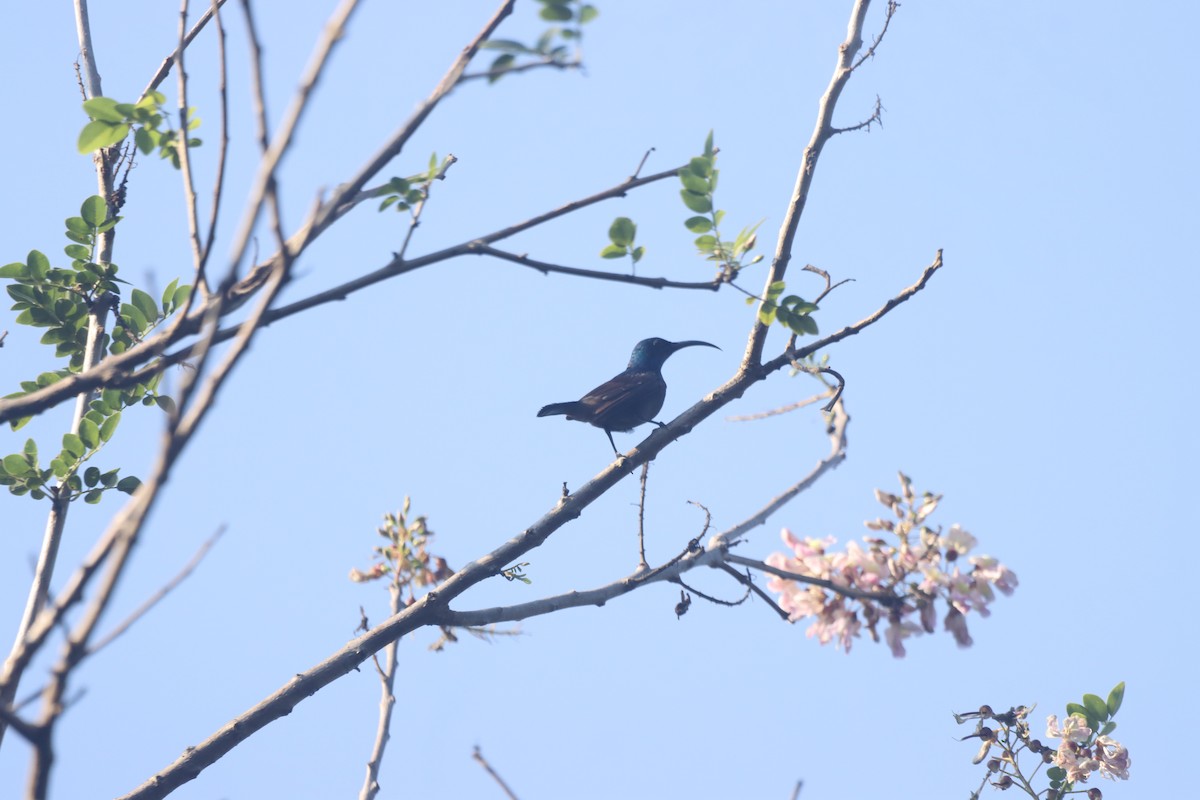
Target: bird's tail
column 571, row 409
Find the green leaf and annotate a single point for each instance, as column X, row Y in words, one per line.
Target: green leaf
column 146, row 140
column 587, row 14
column 15, row 464
column 696, row 202
column 134, row 316
column 708, row 145
column 502, row 63
column 91, row 476
column 58, row 467
column 613, row 251
column 78, row 252
column 706, row 243
column 181, row 296
column 145, row 304
column 168, row 295
column 1076, row 709
column 165, row 403
column 89, row 432
column 637, row 254
column 37, row 263
column 622, row 231
column 77, row 225
column 97, row 135
column 552, row 12
column 1115, row 698
column 103, row 108
column 1096, row 707
column 94, row 496
column 694, row 183
column 109, row 427
column 13, row 270
column 775, row 289
column 698, row 224
column 1107, row 728
column 109, row 479
column 806, row 324
column 505, row 44
column 128, row 484
column 94, row 210
column 701, row 166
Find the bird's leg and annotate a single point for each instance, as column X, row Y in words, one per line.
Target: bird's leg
column 616, row 452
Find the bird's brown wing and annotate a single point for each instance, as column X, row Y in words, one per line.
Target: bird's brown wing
column 615, row 404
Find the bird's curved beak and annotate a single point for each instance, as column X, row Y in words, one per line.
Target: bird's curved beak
column 691, row 343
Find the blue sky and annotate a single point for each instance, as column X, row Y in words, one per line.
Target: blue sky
column 1038, row 383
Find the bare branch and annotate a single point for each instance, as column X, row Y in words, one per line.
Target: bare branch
column 546, row 268
column 165, row 69
column 892, row 8
column 387, row 703
column 265, row 177
column 751, row 586
column 478, row 756
column 774, row 412
column 822, row 132
column 158, row 596
column 641, row 524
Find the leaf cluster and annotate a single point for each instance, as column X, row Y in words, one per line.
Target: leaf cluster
column 621, row 235
column 111, row 122
column 404, row 194
column 552, row 46
column 792, row 312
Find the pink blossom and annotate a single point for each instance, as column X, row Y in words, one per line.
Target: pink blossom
column 1114, row 758
column 1074, row 729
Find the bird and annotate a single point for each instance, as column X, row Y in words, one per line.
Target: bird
column 629, row 399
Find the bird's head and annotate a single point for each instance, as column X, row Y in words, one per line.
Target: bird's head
column 652, row 353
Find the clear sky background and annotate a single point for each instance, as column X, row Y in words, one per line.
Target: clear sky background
column 1042, row 382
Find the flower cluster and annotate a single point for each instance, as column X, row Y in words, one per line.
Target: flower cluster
column 405, row 557
column 1082, row 752
column 1085, row 747
column 894, row 580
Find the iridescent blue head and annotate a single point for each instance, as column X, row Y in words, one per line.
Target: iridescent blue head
column 651, row 354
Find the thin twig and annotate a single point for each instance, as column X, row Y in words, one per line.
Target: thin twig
column 478, row 756
column 641, row 530
column 158, row 596
column 883, row 598
column 526, row 67
column 751, row 586
column 165, row 68
column 774, row 412
column 822, row 132
column 837, row 454
column 185, row 159
column 331, row 34
column 387, row 701
column 715, row 600
column 546, row 268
